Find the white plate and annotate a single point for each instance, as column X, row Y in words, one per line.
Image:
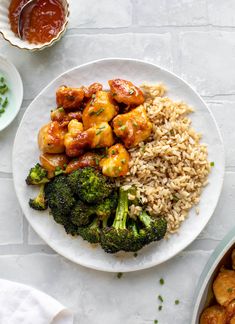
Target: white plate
column 25, row 155
column 15, row 94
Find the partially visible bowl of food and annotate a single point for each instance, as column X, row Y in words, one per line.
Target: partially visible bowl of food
column 215, row 295
column 39, row 25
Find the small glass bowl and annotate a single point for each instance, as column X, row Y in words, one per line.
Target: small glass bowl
column 5, row 29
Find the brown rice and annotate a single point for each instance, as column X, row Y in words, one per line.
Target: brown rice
column 171, row 168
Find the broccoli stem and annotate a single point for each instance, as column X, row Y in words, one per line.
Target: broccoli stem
column 94, row 224
column 122, row 210
column 145, row 219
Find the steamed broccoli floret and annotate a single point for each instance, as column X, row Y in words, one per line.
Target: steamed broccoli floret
column 40, row 202
column 37, row 175
column 59, row 195
column 90, row 185
column 107, row 207
column 136, row 239
column 81, row 213
column 154, row 228
column 61, row 218
column 61, row 201
column 131, row 235
column 116, row 238
column 91, row 233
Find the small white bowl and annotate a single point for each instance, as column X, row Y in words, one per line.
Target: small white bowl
column 5, row 28
column 204, row 287
column 15, row 94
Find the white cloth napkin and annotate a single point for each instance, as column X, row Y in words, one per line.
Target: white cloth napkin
column 20, row 304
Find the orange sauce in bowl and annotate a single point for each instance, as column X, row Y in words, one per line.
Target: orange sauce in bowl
column 42, row 21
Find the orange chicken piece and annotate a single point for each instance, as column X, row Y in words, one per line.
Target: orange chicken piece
column 92, row 89
column 51, row 162
column 213, row 315
column 88, row 159
column 100, row 108
column 224, row 287
column 75, row 140
column 100, row 135
column 116, row 164
column 69, row 98
column 133, row 127
column 126, row 92
column 64, row 117
column 51, row 138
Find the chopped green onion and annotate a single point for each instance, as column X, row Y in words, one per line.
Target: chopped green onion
column 160, row 307
column 131, row 91
column 175, row 199
column 123, row 161
column 119, row 275
column 2, row 111
column 160, row 298
column 212, row 164
column 99, row 111
column 229, row 290
column 3, row 89
column 161, row 281
column 100, row 130
column 155, row 321
column 123, row 127
column 5, row 103
column 177, row 302
column 2, row 79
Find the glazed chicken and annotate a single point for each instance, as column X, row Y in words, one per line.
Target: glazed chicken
column 101, row 108
column 224, row 287
column 92, row 89
column 64, row 117
column 88, row 159
column 214, row 315
column 85, row 120
column 51, row 138
column 51, row 162
column 69, row 98
column 116, row 164
column 132, row 127
column 230, row 311
column 100, row 135
column 77, row 140
column 126, row 92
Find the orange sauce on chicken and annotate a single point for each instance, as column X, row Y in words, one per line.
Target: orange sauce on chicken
column 42, row 21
